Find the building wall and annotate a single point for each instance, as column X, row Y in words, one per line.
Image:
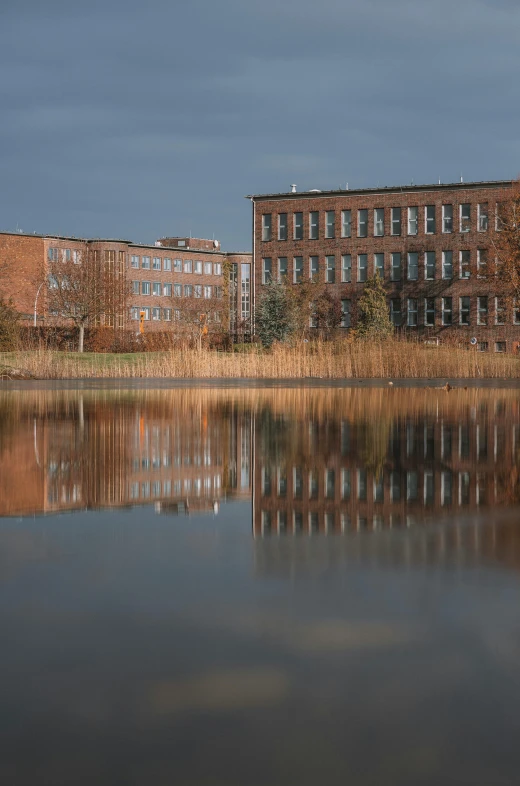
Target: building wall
column 21, row 259
column 456, row 241
column 24, row 263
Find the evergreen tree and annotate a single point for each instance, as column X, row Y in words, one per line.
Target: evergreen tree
column 275, row 319
column 373, row 317
column 9, row 326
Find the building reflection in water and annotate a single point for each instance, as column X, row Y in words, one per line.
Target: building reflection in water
column 180, row 450
column 316, row 461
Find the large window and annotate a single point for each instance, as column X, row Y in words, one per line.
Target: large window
column 346, row 269
column 362, row 223
column 156, row 264
column 483, row 216
column 447, row 264
column 411, row 314
column 464, row 260
column 177, row 290
column 135, row 288
column 500, row 311
column 282, row 268
column 282, row 226
column 314, row 268
column 298, row 270
column 314, row 225
column 330, row 219
column 362, row 268
column 395, row 269
column 396, row 221
column 298, row 226
column 167, row 290
column 145, row 287
column 266, row 226
column 188, row 266
column 447, row 218
column 465, row 217
column 208, row 291
column 167, row 265
column 413, row 220
column 429, row 265
column 379, row 221
column 429, row 311
column 177, row 265
column 135, row 260
column 395, row 311
column 267, row 271
column 156, row 288
column 464, row 310
column 346, row 307
column 482, row 310
column 429, row 219
column 346, row 223
column 145, row 263
column 330, row 270
column 379, row 265
column 482, row 260
column 447, row 310
column 413, row 266
column 198, row 267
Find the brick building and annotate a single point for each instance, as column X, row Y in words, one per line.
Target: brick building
column 165, row 280
column 432, row 245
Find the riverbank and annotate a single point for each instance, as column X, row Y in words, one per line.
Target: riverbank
column 346, row 360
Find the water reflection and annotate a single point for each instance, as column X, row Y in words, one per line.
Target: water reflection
column 314, row 460
column 364, row 634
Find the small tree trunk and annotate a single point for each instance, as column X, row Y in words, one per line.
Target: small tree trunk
column 81, row 337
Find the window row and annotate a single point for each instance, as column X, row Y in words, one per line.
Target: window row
column 424, row 265
column 425, row 311
column 380, row 221
column 179, row 265
column 148, row 489
column 64, row 255
column 348, row 484
column 156, row 314
column 166, row 290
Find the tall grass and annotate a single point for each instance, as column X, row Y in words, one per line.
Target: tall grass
column 342, row 360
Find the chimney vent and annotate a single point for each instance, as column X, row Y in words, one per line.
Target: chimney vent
column 293, row 188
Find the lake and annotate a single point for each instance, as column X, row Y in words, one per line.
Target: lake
column 271, row 584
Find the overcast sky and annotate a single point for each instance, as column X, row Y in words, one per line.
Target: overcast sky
column 142, row 119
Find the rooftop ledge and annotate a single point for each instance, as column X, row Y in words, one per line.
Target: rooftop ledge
column 316, row 192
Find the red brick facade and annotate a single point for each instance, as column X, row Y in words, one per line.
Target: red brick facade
column 319, row 222
column 162, row 280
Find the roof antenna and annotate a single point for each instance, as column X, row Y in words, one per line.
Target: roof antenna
column 293, row 188
column 346, row 187
column 439, row 181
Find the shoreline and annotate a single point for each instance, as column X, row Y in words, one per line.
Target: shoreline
column 162, row 383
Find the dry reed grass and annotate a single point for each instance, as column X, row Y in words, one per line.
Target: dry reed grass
column 342, row 360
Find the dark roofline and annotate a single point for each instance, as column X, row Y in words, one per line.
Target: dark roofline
column 128, row 243
column 316, row 194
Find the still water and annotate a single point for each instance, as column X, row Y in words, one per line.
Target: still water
column 251, row 586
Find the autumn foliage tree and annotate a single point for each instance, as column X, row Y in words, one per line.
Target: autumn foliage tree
column 373, row 318
column 506, row 247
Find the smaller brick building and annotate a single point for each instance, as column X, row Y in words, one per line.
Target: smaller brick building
column 431, row 244
column 167, row 281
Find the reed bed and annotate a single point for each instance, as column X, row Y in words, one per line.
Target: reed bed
column 342, row 360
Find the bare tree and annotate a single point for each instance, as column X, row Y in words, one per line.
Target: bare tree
column 506, row 246
column 86, row 289
column 199, row 318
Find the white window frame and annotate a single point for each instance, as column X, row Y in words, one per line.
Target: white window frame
column 346, row 223
column 413, row 220
column 379, row 222
column 447, row 220
column 346, row 268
